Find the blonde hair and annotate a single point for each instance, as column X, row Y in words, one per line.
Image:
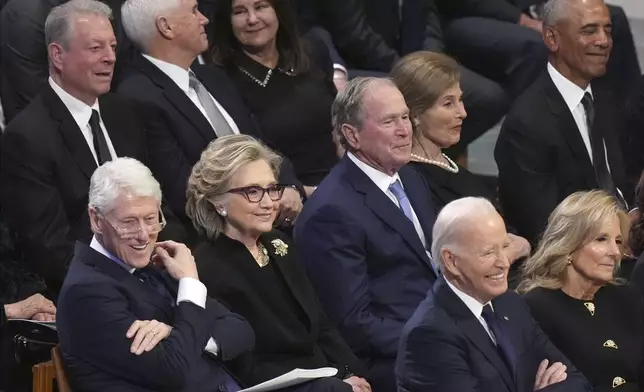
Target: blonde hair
column 422, row 77
column 572, row 225
column 211, row 177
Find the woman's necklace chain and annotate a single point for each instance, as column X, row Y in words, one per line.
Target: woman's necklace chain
column 262, row 256
column 450, row 166
column 264, row 82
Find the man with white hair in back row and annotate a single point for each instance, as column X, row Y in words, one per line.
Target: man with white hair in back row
column 470, row 333
column 130, row 325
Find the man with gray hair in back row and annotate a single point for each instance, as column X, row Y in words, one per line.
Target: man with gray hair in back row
column 471, row 334
column 129, row 324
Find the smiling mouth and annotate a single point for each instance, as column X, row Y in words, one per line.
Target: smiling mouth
column 139, row 247
column 497, row 277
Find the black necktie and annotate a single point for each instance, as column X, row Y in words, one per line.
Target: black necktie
column 503, row 343
column 100, row 144
column 604, row 179
column 148, row 277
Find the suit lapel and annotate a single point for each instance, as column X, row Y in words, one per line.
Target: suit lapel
column 282, row 262
column 472, row 328
column 177, row 98
column 386, row 210
column 569, row 130
column 72, row 135
column 421, row 201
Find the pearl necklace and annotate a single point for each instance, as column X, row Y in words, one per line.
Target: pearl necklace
column 451, row 167
column 264, row 82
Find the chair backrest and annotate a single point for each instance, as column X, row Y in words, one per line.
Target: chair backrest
column 43, row 377
column 61, row 379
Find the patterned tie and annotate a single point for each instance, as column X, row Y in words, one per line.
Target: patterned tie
column 602, row 173
column 503, row 343
column 398, row 191
column 222, row 128
column 98, row 138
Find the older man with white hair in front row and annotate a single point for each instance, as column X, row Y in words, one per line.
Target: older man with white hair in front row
column 128, row 324
column 470, row 333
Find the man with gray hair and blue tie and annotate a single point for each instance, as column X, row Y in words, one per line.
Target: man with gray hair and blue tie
column 367, row 227
column 191, row 104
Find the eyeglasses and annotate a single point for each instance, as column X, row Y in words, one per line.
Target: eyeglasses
column 255, row 193
column 133, row 229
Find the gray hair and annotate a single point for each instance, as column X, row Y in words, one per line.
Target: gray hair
column 121, row 175
column 59, row 26
column 554, row 11
column 348, row 106
column 140, row 17
column 452, row 218
column 210, row 179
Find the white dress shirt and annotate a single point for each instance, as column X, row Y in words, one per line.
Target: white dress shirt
column 181, row 77
column 82, row 113
column 383, row 181
column 191, row 290
column 572, row 95
column 474, row 306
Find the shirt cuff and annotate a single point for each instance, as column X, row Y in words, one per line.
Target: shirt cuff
column 192, row 290
column 212, row 347
column 340, row 67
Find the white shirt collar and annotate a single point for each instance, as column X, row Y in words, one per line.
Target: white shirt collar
column 382, row 180
column 178, row 75
column 571, row 93
column 472, row 303
column 101, row 249
column 79, row 110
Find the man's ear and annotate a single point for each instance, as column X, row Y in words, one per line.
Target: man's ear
column 450, row 262
column 56, row 55
column 351, row 135
column 551, row 39
column 164, row 27
column 94, row 221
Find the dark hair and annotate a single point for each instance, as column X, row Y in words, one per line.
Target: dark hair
column 292, row 51
column 637, row 230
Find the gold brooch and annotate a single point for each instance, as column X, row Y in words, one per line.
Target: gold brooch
column 591, row 307
column 610, row 344
column 617, row 381
column 281, row 249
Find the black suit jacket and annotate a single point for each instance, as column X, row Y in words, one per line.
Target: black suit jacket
column 180, row 131
column 633, row 135
column 445, row 348
column 46, row 169
column 232, row 276
column 97, row 305
column 542, row 158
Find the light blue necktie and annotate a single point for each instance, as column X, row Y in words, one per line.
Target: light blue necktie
column 398, row 191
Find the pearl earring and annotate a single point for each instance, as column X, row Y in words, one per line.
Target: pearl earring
column 569, row 260
column 223, row 213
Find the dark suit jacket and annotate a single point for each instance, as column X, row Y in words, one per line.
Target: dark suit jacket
column 445, row 348
column 637, row 277
column 97, row 305
column 633, row 135
column 284, row 341
column 542, row 158
column 351, row 234
column 46, row 169
column 180, row 131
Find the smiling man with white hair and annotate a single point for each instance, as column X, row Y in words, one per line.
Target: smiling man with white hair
column 470, row 333
column 127, row 324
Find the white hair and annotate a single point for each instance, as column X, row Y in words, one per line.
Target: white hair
column 452, row 218
column 59, row 26
column 121, row 175
column 139, row 18
column 554, row 11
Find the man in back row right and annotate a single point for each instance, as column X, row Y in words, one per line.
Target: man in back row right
column 561, row 135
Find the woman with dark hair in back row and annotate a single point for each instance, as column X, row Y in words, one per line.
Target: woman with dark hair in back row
column 257, row 43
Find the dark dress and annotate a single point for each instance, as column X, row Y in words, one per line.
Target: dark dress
column 607, row 346
column 293, row 112
column 291, row 329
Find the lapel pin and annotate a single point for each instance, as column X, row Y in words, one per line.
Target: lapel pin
column 506, row 318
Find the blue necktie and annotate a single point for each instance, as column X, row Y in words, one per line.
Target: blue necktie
column 149, row 278
column 503, row 343
column 398, row 191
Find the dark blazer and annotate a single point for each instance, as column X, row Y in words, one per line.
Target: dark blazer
column 637, row 277
column 350, row 233
column 97, row 305
column 293, row 333
column 445, row 348
column 46, row 169
column 633, row 134
column 180, row 131
column 542, row 158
